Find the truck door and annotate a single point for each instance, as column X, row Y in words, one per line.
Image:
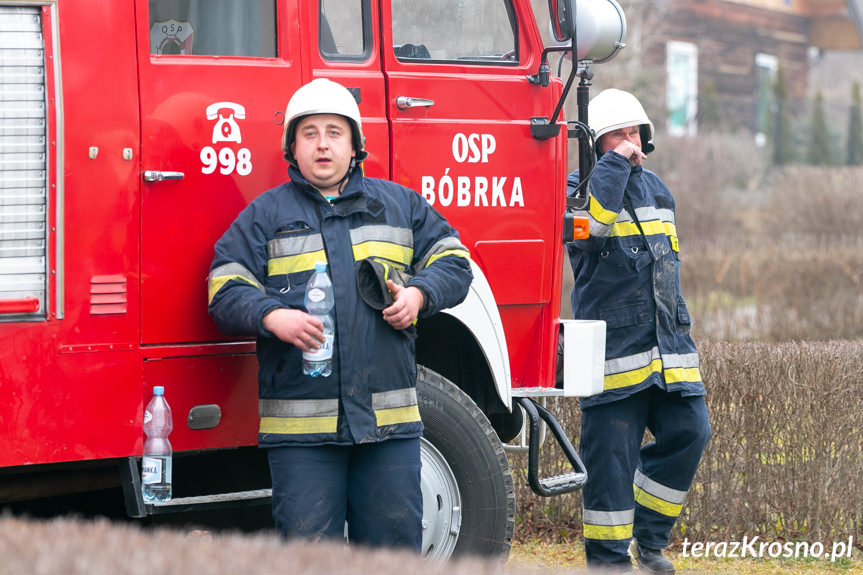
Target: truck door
column 215, row 77
column 347, row 42
column 460, row 106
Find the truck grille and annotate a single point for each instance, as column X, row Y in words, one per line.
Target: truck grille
column 23, row 164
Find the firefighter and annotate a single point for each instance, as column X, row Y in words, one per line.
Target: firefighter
column 343, row 447
column 628, row 274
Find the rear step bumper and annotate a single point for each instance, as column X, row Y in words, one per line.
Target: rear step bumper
column 203, row 502
column 136, row 507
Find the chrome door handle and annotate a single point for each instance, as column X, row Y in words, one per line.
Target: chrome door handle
column 406, row 102
column 158, row 176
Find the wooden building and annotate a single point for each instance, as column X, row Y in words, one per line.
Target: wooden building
column 726, row 53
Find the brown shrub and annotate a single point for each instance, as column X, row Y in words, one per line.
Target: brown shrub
column 785, row 460
column 790, row 290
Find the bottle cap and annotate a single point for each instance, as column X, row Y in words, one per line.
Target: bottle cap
column 158, row 390
column 320, row 266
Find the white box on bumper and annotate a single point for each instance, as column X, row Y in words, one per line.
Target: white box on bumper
column 583, row 357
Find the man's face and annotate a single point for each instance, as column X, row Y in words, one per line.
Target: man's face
column 323, row 148
column 610, row 140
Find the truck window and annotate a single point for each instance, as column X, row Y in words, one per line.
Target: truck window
column 475, row 32
column 213, row 28
column 345, row 31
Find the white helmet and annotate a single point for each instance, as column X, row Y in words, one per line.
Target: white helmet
column 615, row 109
column 322, row 96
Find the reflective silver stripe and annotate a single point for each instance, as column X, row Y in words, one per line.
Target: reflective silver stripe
column 294, row 245
column 651, row 487
column 625, row 217
column 608, row 518
column 447, row 244
column 225, row 273
column 298, row 407
column 651, row 214
column 594, row 226
column 678, row 360
column 631, row 362
column 234, row 269
column 400, row 236
column 396, row 398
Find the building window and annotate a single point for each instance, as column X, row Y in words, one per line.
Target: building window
column 682, row 88
column 765, row 74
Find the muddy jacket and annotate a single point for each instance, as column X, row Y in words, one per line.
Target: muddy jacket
column 628, row 275
column 265, row 259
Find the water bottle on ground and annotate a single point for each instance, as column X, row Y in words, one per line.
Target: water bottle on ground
column 319, row 303
column 157, row 460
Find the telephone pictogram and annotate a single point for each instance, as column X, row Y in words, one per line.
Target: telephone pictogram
column 226, row 128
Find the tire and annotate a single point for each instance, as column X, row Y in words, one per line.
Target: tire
column 468, row 495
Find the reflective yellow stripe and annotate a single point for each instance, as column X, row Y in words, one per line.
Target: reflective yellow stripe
column 607, row 532
column 678, row 375
column 459, row 253
column 634, row 377
column 386, row 250
column 215, row 284
column 294, row 264
column 298, row 425
column 396, row 415
column 655, row 503
column 651, row 228
column 620, row 229
column 654, row 228
column 599, row 213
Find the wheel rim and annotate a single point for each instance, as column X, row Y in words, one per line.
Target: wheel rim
column 441, row 504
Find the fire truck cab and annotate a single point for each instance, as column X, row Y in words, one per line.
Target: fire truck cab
column 133, row 133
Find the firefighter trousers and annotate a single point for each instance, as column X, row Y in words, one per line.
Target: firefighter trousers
column 375, row 487
column 636, row 490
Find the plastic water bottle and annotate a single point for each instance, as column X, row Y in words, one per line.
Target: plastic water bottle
column 157, row 460
column 319, row 303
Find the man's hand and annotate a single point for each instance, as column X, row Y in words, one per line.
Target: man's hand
column 296, row 327
column 407, row 305
column 631, row 152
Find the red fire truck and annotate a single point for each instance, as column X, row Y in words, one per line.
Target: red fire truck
column 131, row 135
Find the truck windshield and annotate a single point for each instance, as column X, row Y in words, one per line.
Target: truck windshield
column 213, row 28
column 479, row 31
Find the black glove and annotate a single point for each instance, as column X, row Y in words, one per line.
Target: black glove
column 372, row 276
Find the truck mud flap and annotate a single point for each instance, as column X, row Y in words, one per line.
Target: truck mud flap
column 558, row 484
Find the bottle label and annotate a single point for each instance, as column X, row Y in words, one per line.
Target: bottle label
column 316, row 295
column 324, row 352
column 148, row 417
column 151, row 470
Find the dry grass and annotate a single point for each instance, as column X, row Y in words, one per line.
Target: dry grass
column 571, row 555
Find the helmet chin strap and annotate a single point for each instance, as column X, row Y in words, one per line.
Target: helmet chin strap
column 343, row 182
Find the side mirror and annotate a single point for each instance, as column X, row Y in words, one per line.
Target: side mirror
column 598, row 26
column 561, row 20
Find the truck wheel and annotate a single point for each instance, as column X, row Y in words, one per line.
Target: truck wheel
column 468, row 496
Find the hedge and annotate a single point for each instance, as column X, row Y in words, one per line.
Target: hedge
column 785, row 460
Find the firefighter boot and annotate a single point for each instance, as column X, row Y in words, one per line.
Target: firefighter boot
column 651, row 560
